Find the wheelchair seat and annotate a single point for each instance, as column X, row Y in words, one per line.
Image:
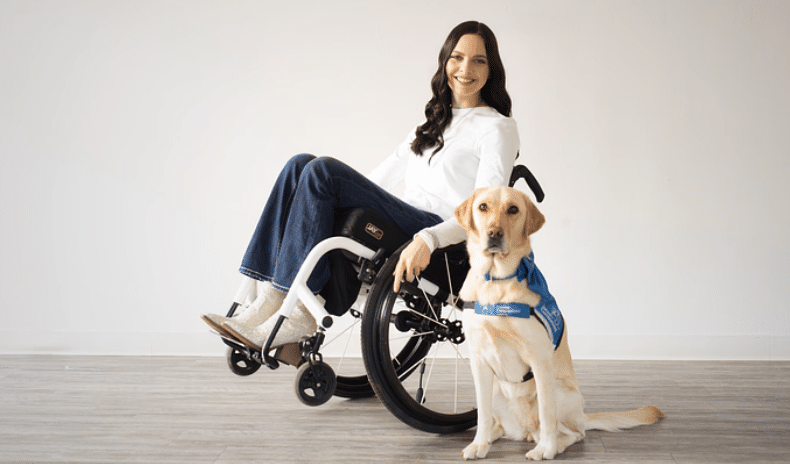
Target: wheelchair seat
column 370, row 229
column 346, row 275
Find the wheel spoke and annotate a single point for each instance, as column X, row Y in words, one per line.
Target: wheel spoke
column 428, row 302
column 351, row 327
column 433, row 363
column 435, row 321
column 412, row 374
column 345, row 348
column 408, row 371
column 411, row 335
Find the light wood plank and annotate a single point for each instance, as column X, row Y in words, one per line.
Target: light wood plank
column 58, row 409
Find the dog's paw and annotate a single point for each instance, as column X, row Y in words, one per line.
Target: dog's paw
column 541, row 452
column 475, row 451
column 498, row 432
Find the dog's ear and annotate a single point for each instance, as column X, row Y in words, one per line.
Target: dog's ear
column 463, row 213
column 534, row 220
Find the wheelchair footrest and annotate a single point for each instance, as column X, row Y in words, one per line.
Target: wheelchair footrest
column 289, row 354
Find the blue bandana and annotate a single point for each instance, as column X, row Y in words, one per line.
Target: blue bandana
column 547, row 311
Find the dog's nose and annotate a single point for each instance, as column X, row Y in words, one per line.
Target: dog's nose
column 495, row 232
column 495, row 235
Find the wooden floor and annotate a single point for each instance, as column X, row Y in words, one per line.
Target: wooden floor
column 59, row 409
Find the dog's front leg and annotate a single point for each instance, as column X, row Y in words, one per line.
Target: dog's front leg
column 547, row 410
column 483, row 376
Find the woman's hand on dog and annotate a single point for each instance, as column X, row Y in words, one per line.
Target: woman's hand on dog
column 413, row 259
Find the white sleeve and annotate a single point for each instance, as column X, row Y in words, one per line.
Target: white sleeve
column 443, row 234
column 498, row 149
column 392, row 171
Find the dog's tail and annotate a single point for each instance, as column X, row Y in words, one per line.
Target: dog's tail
column 616, row 421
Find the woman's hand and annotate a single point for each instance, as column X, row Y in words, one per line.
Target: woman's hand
column 413, row 260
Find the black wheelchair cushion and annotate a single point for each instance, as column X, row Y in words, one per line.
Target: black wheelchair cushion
column 375, row 232
column 370, row 229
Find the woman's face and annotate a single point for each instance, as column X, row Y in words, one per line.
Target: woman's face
column 467, row 71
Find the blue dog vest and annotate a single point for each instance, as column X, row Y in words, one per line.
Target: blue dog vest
column 547, row 311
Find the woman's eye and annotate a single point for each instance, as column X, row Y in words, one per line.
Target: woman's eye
column 512, row 210
column 483, row 207
column 479, row 61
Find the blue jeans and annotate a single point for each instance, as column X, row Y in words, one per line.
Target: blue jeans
column 300, row 213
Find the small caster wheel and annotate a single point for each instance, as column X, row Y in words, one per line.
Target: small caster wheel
column 315, row 383
column 239, row 363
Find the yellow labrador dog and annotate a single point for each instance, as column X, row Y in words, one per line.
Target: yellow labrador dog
column 525, row 385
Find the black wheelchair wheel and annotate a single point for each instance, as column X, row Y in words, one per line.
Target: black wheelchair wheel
column 341, row 347
column 412, row 346
column 315, row 383
column 353, row 387
column 240, row 364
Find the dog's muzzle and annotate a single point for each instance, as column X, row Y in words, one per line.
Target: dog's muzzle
column 495, row 239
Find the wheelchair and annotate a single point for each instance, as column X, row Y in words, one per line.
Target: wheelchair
column 412, row 342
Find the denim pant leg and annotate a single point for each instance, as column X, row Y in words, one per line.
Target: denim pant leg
column 324, row 185
column 260, row 259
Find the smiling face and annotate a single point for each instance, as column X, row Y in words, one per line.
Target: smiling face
column 467, row 71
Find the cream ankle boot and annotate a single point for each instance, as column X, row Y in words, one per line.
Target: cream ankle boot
column 300, row 324
column 267, row 301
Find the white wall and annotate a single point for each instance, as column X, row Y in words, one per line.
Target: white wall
column 139, row 140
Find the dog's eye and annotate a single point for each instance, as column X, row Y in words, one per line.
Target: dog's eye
column 483, row 207
column 512, row 210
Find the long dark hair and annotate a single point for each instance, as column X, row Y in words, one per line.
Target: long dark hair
column 438, row 111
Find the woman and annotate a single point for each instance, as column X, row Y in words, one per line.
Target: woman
column 468, row 141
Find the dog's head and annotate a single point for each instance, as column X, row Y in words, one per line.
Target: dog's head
column 499, row 220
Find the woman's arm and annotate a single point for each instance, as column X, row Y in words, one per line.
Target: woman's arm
column 416, row 257
column 392, row 171
column 497, row 150
column 497, row 153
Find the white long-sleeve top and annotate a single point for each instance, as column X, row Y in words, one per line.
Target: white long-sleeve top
column 480, row 147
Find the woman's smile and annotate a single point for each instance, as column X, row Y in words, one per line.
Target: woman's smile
column 467, row 71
